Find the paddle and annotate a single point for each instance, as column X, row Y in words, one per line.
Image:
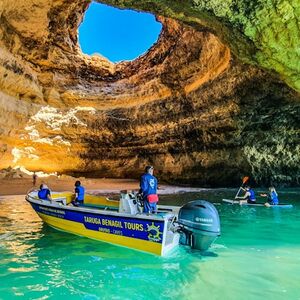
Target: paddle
column 245, row 179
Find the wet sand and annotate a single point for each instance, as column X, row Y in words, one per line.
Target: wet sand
column 20, row 186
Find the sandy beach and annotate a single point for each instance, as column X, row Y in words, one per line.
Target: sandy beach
column 20, row 186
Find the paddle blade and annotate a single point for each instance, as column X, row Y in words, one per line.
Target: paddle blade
column 245, row 179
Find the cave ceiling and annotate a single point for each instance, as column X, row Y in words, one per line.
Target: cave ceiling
column 216, row 97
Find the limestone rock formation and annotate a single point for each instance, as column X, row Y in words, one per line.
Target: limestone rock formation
column 206, row 104
column 261, row 32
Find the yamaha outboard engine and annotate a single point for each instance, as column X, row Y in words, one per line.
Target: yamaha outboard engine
column 200, row 224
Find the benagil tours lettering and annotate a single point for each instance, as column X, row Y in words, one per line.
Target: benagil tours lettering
column 114, row 223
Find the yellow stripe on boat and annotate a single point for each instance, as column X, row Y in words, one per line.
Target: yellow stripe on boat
column 79, row 229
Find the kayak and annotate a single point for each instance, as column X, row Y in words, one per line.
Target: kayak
column 243, row 202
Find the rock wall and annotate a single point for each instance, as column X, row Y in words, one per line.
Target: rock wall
column 263, row 33
column 190, row 106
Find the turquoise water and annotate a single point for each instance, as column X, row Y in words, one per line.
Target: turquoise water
column 257, row 257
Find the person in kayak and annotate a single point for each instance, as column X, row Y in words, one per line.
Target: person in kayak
column 148, row 189
column 249, row 195
column 44, row 192
column 272, row 197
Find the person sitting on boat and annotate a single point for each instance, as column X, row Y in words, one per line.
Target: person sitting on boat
column 249, row 195
column 79, row 194
column 272, row 197
column 148, row 189
column 44, row 192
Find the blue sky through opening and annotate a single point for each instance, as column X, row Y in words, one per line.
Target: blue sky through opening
column 117, row 34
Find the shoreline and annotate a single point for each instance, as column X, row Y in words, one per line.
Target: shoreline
column 20, row 186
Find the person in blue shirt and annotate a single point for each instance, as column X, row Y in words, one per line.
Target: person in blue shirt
column 249, row 195
column 79, row 194
column 148, row 189
column 44, row 192
column 272, row 197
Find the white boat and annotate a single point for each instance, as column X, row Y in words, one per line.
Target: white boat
column 122, row 223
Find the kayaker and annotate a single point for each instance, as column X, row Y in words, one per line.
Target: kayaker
column 44, row 192
column 79, row 194
column 272, row 197
column 148, row 189
column 249, row 195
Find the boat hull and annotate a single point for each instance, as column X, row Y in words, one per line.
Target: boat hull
column 141, row 233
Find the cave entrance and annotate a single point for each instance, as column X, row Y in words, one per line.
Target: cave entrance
column 117, row 34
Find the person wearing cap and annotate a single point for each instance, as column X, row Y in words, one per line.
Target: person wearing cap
column 44, row 192
column 79, row 194
column 148, row 189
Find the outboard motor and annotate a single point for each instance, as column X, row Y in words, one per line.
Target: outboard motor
column 199, row 224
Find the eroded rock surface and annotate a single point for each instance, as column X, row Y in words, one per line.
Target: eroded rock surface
column 190, row 106
column 264, row 33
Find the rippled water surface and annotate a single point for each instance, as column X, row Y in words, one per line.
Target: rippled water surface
column 257, row 257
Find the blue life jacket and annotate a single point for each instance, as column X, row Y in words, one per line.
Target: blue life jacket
column 273, row 198
column 43, row 194
column 148, row 185
column 80, row 192
column 252, row 195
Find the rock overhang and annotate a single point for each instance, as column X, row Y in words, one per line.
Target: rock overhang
column 178, row 106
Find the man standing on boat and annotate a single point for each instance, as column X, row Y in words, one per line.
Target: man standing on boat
column 148, row 188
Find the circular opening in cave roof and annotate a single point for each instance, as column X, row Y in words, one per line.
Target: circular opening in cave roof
column 117, row 34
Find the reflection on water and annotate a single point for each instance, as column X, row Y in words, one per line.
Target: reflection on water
column 259, row 247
